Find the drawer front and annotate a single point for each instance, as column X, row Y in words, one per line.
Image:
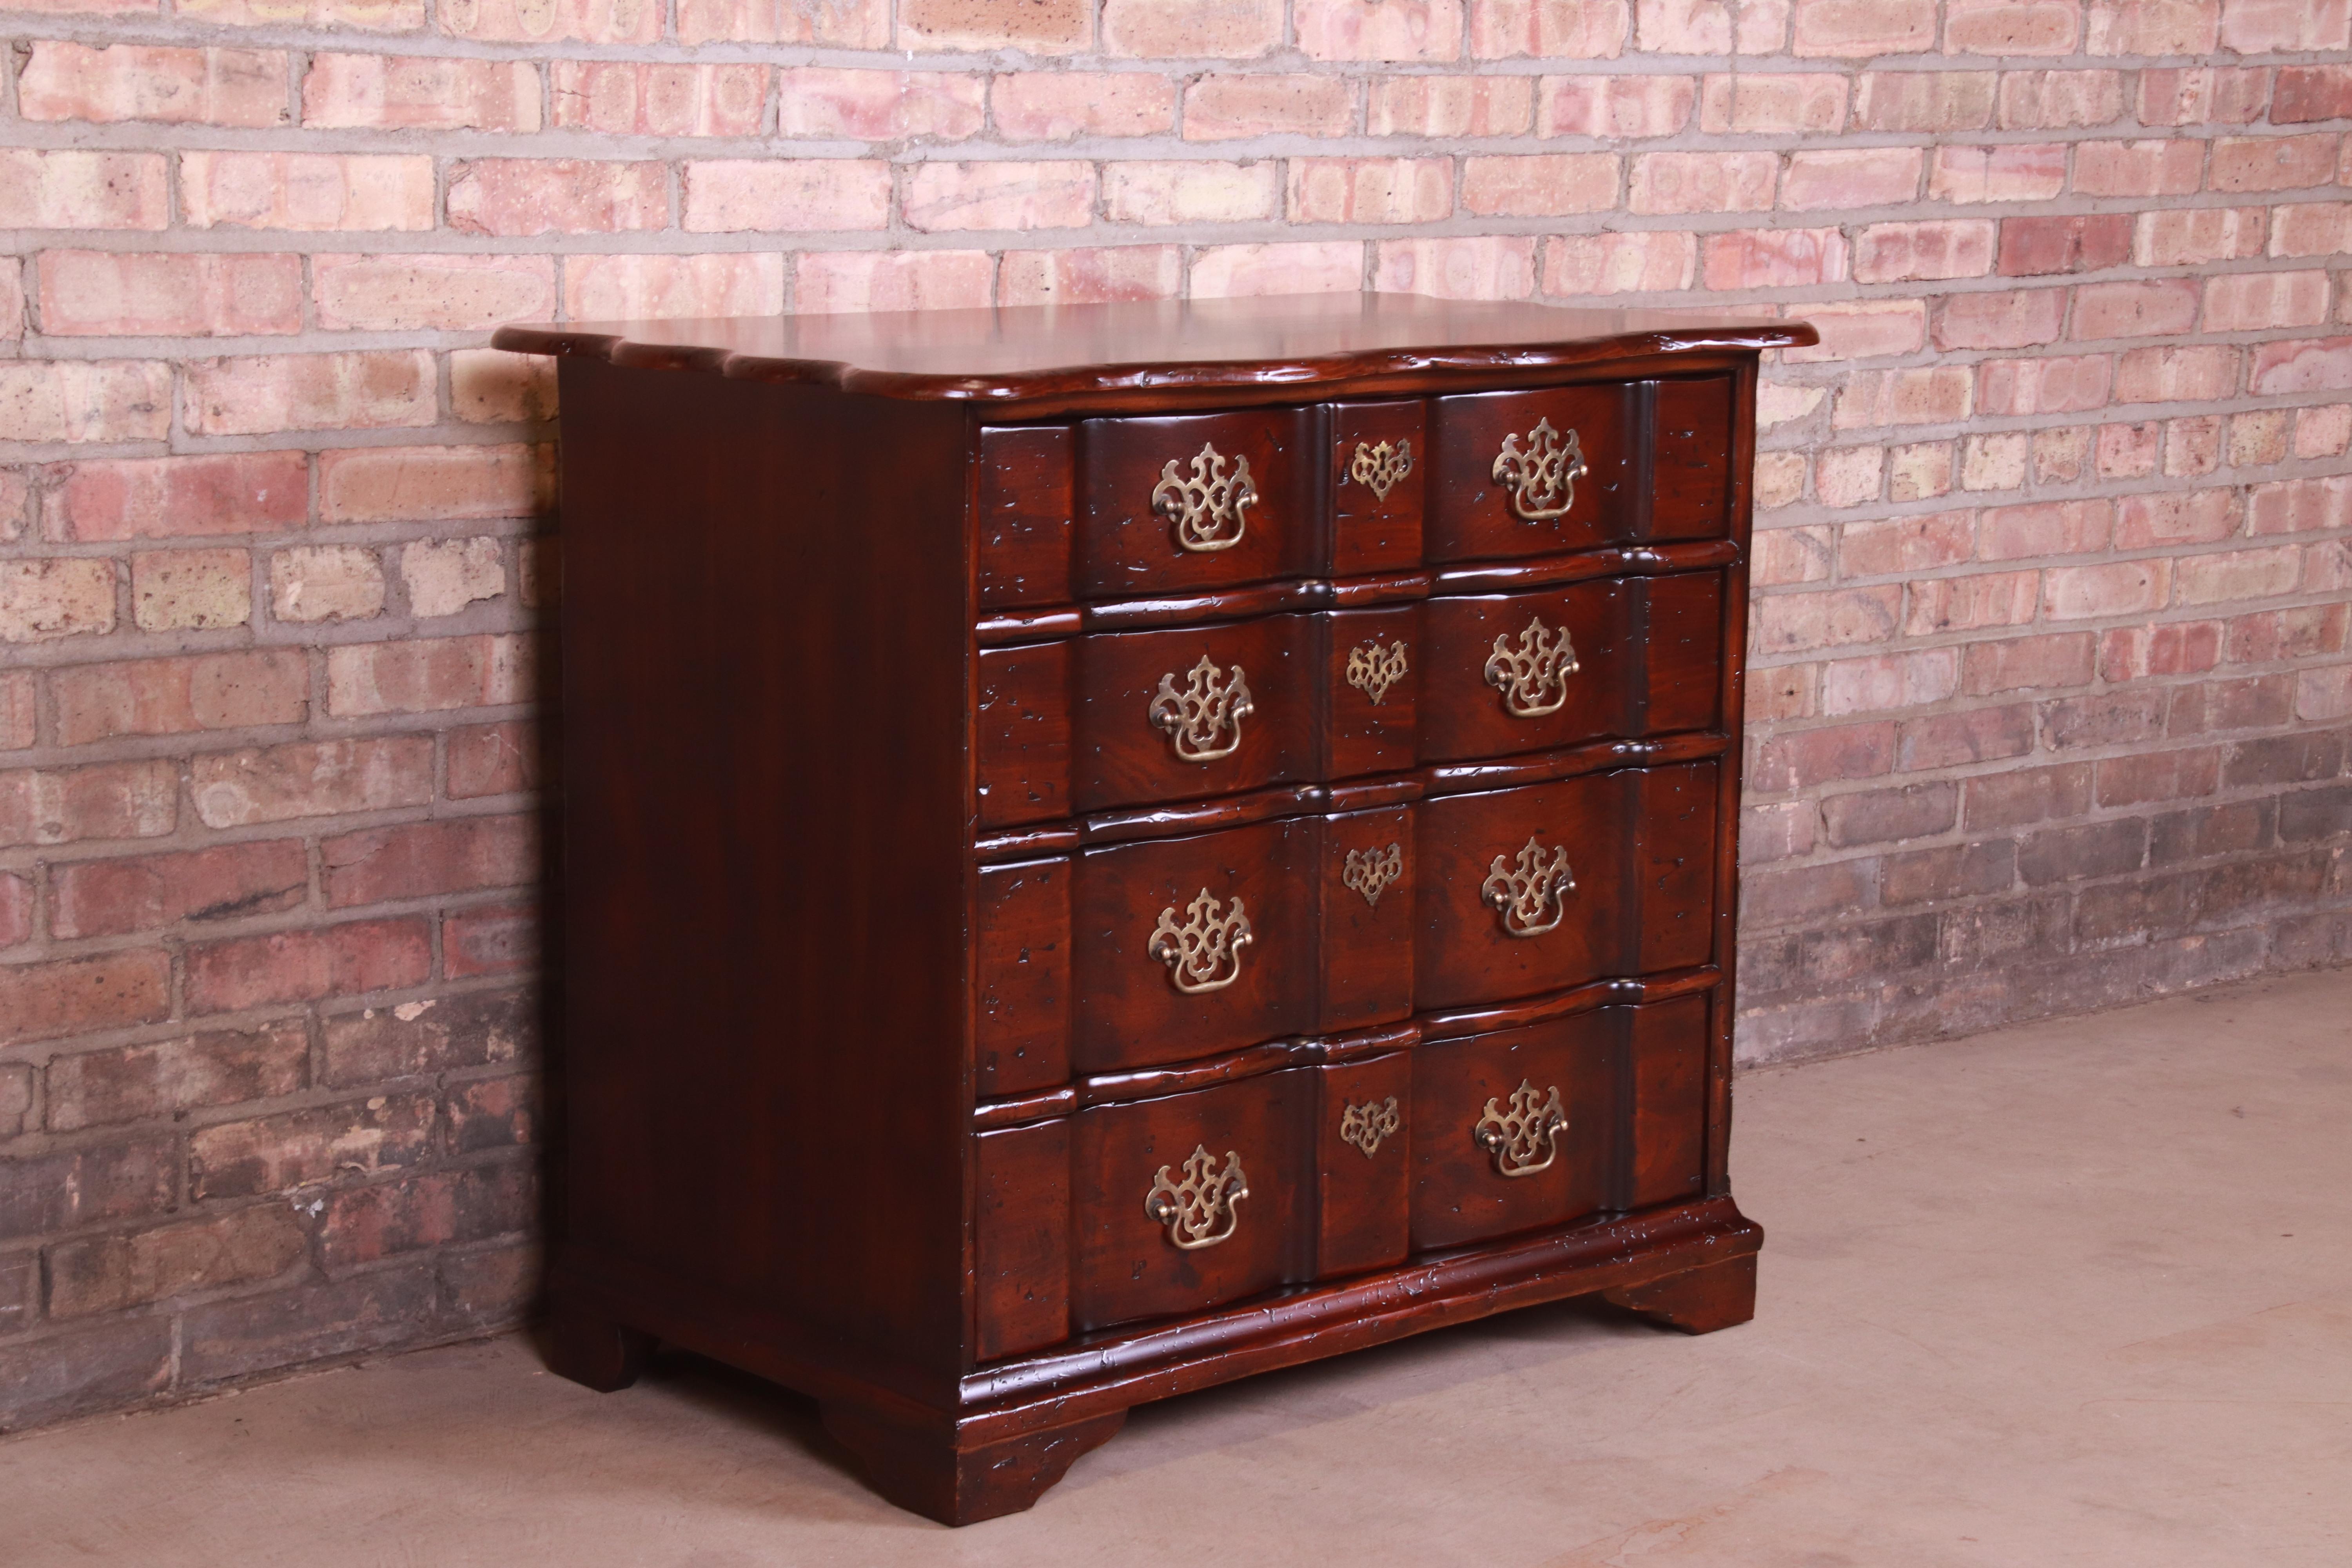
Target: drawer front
column 1507, row 481
column 1195, row 501
column 1543, row 1125
column 1025, row 510
column 1523, row 672
column 1194, row 711
column 1182, row 1204
column 1362, row 1146
column 1380, row 471
column 1690, row 479
column 1535, row 889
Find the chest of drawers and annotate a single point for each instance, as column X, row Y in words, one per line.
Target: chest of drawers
column 1112, row 849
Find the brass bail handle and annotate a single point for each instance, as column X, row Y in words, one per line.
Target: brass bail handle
column 1522, row 890
column 1514, row 1137
column 1209, row 506
column 1199, row 1208
column 1543, row 476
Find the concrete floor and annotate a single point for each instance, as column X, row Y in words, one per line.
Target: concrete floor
column 2079, row 1293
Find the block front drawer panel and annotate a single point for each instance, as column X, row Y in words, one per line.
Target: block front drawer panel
column 1121, row 718
column 1162, row 952
column 1183, row 1203
column 1115, row 508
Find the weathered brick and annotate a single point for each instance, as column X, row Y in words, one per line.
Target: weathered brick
column 423, row 858
column 1966, row 604
column 1448, row 105
column 2104, row 719
column 303, row 966
column 68, row 188
column 308, row 191
column 490, row 939
column 434, row 484
column 419, row 93
column 2071, row 853
column 108, row 897
column 107, row 1273
column 1890, row 815
column 102, row 800
column 247, row 1334
column 100, row 1366
column 2038, row 246
column 295, row 1149
column 1493, row 266
column 427, row 675
column 106, row 292
column 1061, row 106
column 68, row 1188
column 63, row 80
column 60, row 596
column 192, row 590
column 1543, row 184
column 1974, row 735
column 419, row 1039
column 1948, row 871
column 1221, row 106
column 385, row 1219
column 1806, row 893
column 1193, row 190
column 400, row 293
column 1551, row 29
column 2026, row 664
column 312, row 778
column 1804, row 757
column 2027, row 794
column 738, row 195
column 628, row 97
column 846, row 24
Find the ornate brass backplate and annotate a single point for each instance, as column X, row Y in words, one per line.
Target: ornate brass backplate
column 1367, row 1126
column 1208, row 507
column 1204, row 721
column 1543, row 478
column 1379, row 468
column 1515, row 1137
column 1372, row 669
column 1521, row 892
column 1533, row 677
column 1204, row 953
column 1200, row 1210
column 1369, row 871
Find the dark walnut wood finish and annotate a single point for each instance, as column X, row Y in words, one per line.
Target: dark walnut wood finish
column 915, row 814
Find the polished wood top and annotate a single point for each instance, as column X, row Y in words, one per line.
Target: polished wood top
column 1018, row 352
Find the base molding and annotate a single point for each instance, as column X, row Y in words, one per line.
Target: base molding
column 992, row 1442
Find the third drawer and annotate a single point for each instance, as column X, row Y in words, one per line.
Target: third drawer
column 1147, row 954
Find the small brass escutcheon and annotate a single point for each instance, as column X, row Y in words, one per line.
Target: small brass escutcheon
column 1378, row 468
column 1513, row 1138
column 1204, row 953
column 1199, row 1210
column 1372, row 669
column 1543, row 478
column 1211, row 707
column 1367, row 1126
column 1521, row 892
column 1533, row 677
column 1369, row 871
column 1207, row 508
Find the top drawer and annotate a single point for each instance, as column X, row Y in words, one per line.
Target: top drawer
column 1128, row 508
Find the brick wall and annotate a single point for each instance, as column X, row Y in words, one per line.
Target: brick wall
column 2052, row 691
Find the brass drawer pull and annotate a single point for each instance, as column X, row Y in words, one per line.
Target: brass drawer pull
column 1379, row 468
column 1372, row 669
column 1208, row 708
column 1533, row 1124
column 1520, row 894
column 1199, row 1211
column 1367, row 1126
column 1204, row 953
column 1533, row 677
column 1543, row 478
column 1369, row 871
column 1207, row 509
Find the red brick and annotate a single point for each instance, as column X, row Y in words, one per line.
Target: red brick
column 1484, row 267
column 1613, row 107
column 306, row 191
column 1700, row 183
column 366, row 1224
column 1886, row 681
column 1890, row 815
column 2203, row 95
column 428, row 857
column 2134, row 653
column 2181, row 237
column 15, row 925
column 2299, row 506
column 848, row 24
column 1061, row 106
column 588, row 21
column 99, row 500
column 1803, row 759
column 650, row 288
column 346, row 960
column 165, row 1078
column 792, row 195
column 1955, row 870
column 490, row 939
column 2237, row 574
column 272, row 392
column 1789, row 622
column 1976, row 735
column 86, row 292
column 2012, row 172
column 2300, row 633
column 1220, row 106
column 2301, row 364
column 1966, row 604
column 204, row 86
column 102, row 800
column 71, row 1187
column 2038, row 246
column 1765, row 257
column 56, row 596
column 419, row 93
column 2026, row 664
column 1186, row 29
column 82, row 995
column 2307, row 93
column 1506, row 29
column 2158, row 308
column 1806, row 894
column 1089, row 275
column 419, row 1039
column 2059, row 100
column 107, row 1273
column 108, row 897
column 434, row 484
column 100, row 1366
column 2272, row 162
column 1905, row 544
column 2045, row 527
column 1931, row 101
column 1639, row 263
column 274, row 1153
column 454, row 293
column 1851, row 178
column 2145, row 168
column 312, row 778
column 427, row 675
column 2164, row 374
column 1930, row 394
column 69, row 188
column 1905, row 252
column 1448, row 105
column 2176, row 517
column 383, row 1307
column 2001, row 319
column 1539, row 184
column 1860, row 29
column 631, row 97
column 512, row 198
column 494, row 1114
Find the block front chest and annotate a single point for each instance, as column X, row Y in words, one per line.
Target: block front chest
column 1111, row 849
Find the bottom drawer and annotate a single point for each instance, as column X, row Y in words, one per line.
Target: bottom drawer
column 1164, row 1208
column 1537, row 1126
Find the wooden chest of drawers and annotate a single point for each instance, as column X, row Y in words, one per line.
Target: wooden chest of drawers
column 1109, row 849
